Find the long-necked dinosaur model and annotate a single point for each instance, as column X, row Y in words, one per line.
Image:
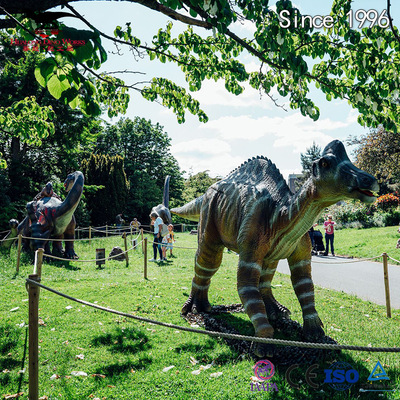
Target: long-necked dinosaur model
column 253, row 213
column 50, row 218
column 162, row 209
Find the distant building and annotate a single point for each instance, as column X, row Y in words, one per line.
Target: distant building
column 291, row 181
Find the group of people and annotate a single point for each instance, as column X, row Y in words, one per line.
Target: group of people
column 161, row 243
column 329, row 225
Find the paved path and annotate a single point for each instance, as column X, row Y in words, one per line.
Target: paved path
column 363, row 279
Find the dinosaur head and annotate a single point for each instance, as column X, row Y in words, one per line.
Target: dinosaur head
column 48, row 189
column 336, row 177
column 69, row 182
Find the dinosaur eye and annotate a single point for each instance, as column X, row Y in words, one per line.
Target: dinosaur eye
column 324, row 164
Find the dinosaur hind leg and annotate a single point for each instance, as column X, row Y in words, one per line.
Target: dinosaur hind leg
column 207, row 261
column 275, row 310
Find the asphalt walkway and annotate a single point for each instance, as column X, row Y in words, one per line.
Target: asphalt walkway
column 362, row 278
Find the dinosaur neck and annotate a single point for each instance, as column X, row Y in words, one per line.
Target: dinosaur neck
column 70, row 203
column 296, row 216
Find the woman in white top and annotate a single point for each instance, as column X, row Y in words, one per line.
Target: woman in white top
column 157, row 222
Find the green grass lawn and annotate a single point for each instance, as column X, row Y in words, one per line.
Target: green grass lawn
column 124, row 359
column 365, row 243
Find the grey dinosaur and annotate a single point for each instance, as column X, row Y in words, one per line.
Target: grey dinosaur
column 253, row 212
column 162, row 209
column 50, row 218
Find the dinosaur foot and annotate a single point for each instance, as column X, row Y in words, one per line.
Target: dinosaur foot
column 276, row 312
column 312, row 329
column 71, row 255
column 196, row 305
column 263, row 350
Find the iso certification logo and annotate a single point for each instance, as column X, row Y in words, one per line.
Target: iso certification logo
column 341, row 376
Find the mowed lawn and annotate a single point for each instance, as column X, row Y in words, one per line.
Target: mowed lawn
column 125, row 359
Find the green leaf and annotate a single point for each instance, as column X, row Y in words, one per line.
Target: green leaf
column 56, row 86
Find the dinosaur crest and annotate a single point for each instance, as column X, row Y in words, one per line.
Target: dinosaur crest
column 261, row 172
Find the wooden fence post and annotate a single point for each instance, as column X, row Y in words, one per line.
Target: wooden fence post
column 33, row 292
column 19, row 251
column 141, row 233
column 90, row 234
column 145, row 258
column 126, row 249
column 386, row 279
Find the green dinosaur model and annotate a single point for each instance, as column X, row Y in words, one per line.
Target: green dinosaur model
column 253, row 213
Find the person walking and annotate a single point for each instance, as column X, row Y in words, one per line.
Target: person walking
column 157, row 222
column 329, row 234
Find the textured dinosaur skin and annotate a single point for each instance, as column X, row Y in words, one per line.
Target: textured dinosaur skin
column 253, row 213
column 50, row 218
column 162, row 209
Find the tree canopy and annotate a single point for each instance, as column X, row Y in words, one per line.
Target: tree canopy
column 378, row 153
column 355, row 62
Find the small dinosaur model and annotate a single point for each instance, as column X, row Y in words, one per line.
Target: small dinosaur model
column 50, row 218
column 47, row 191
column 162, row 209
column 253, row 213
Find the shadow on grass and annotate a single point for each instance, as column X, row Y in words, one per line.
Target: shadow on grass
column 129, row 340
column 119, row 368
column 65, row 264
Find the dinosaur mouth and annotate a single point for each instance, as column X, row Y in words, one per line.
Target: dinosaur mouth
column 365, row 192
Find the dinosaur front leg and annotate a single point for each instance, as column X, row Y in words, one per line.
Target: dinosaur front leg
column 275, row 310
column 300, row 270
column 248, row 280
column 207, row 262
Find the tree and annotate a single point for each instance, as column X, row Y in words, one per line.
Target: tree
column 358, row 65
column 196, row 185
column 378, row 153
column 311, row 154
column 107, row 173
column 145, row 148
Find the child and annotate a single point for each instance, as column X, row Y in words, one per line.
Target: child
column 170, row 239
column 164, row 244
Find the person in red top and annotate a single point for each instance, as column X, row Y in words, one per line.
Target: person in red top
column 329, row 234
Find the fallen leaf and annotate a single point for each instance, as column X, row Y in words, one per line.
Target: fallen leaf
column 196, row 372
column 98, row 375
column 78, row 373
column 13, row 396
column 68, row 307
column 195, row 326
column 80, row 356
column 111, row 386
column 215, row 374
column 14, row 309
column 255, row 379
column 168, row 368
column 6, row 371
column 43, row 398
column 41, row 322
column 22, row 371
column 55, row 376
column 193, row 361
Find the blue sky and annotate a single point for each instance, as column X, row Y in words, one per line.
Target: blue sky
column 239, row 127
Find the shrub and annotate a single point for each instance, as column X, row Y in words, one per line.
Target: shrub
column 387, row 202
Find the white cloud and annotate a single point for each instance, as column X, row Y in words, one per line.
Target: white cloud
column 294, row 131
column 201, row 146
column 214, row 93
column 241, row 127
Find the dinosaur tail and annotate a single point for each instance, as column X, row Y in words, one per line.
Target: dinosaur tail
column 190, row 211
column 165, row 201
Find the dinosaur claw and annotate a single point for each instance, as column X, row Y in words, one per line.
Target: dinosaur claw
column 263, row 350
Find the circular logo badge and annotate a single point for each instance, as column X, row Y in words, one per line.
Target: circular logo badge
column 264, row 370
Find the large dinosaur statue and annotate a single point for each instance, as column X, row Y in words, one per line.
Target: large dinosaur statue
column 253, row 213
column 162, row 209
column 50, row 218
